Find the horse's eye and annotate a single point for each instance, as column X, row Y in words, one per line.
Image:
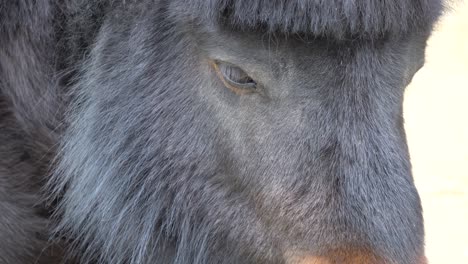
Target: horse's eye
column 234, row 78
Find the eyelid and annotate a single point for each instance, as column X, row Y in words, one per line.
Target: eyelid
column 235, row 87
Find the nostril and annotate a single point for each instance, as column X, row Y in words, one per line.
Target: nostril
column 338, row 256
column 308, row 260
column 422, row 260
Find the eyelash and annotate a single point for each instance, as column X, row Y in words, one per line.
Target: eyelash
column 226, row 72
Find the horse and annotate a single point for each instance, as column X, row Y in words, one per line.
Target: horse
column 214, row 131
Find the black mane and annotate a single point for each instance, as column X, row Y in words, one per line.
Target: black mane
column 336, row 18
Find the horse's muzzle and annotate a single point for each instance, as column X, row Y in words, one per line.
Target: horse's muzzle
column 344, row 256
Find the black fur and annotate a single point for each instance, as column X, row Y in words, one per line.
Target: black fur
column 150, row 159
column 337, row 18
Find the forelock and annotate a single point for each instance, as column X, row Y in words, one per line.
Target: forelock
column 337, row 18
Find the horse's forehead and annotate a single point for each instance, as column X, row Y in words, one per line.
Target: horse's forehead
column 338, row 18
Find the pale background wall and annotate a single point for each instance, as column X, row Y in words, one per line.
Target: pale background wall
column 436, row 112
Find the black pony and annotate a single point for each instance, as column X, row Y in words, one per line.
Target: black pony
column 208, row 131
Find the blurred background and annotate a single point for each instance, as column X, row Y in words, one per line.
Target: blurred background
column 436, row 114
